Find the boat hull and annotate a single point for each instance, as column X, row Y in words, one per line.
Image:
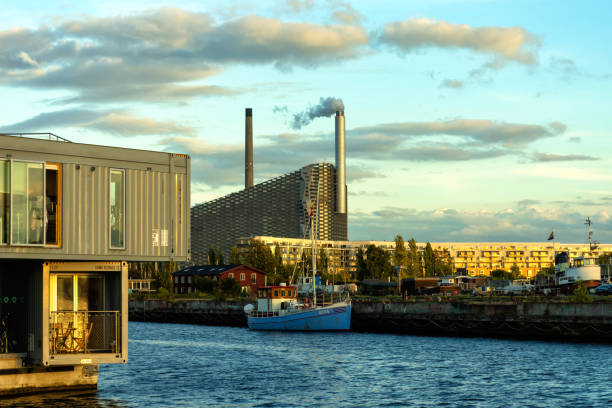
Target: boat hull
column 336, row 317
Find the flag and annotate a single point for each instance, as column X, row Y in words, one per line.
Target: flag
column 552, row 235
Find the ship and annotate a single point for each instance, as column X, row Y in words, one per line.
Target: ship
column 583, row 271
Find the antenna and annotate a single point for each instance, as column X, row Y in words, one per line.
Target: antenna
column 593, row 245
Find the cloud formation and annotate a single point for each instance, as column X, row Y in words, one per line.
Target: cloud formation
column 505, row 43
column 551, row 157
column 521, row 224
column 159, row 55
column 367, row 147
column 115, row 122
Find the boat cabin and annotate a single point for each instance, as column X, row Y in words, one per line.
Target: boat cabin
column 273, row 299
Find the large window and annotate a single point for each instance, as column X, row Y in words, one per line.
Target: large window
column 28, row 203
column 117, row 208
column 5, row 200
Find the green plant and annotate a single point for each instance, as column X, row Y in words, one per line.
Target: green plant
column 581, row 294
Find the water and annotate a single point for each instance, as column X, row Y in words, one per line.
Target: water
column 206, row 366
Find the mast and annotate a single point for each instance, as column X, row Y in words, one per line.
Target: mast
column 592, row 244
column 315, row 216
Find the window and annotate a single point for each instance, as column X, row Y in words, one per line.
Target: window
column 27, row 203
column 53, row 203
column 230, row 275
column 117, row 209
column 253, row 278
column 242, row 277
column 5, row 200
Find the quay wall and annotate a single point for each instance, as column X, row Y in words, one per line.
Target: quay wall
column 527, row 320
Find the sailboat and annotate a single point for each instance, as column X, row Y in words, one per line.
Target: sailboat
column 278, row 307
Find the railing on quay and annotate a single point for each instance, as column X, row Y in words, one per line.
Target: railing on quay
column 84, row 332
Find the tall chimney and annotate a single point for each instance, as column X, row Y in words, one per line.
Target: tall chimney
column 340, row 162
column 248, row 148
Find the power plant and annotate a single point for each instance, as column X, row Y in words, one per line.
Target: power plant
column 279, row 207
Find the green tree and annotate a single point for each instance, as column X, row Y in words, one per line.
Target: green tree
column 378, row 263
column 429, row 260
column 230, row 287
column 605, row 259
column 219, row 257
column 400, row 254
column 163, row 275
column 362, row 271
column 549, row 270
column 212, row 255
column 500, row 274
column 205, row 284
column 413, row 262
column 443, row 263
column 515, row 271
column 260, row 256
column 235, row 257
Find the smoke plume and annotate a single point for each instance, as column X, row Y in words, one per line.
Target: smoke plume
column 326, row 107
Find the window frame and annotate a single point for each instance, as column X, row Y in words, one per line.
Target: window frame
column 110, row 215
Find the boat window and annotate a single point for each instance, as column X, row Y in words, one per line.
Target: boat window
column 276, row 293
column 282, row 293
column 117, row 208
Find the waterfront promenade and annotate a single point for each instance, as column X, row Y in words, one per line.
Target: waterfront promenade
column 509, row 318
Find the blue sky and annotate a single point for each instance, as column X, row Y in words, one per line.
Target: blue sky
column 465, row 120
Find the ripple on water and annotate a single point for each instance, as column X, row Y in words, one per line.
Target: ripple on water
column 207, row 366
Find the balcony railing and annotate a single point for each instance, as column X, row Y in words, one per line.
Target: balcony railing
column 84, row 332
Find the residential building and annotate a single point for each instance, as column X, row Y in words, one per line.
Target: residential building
column 249, row 278
column 474, row 258
column 71, row 218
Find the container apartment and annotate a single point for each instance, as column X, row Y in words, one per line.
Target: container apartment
column 71, row 217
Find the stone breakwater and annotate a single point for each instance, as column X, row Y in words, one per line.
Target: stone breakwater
column 529, row 320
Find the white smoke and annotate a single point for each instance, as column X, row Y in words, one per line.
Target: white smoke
column 326, row 107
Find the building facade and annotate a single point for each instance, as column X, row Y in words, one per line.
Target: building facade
column 71, row 217
column 249, row 278
column 278, row 207
column 475, row 258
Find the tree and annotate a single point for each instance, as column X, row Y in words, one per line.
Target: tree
column 163, row 275
column 230, row 286
column 205, row 284
column 549, row 270
column 260, row 256
column 235, row 257
column 361, row 265
column 515, row 271
column 429, row 260
column 500, row 274
column 443, row 263
column 212, row 256
column 400, row 254
column 377, row 263
column 413, row 261
column 219, row 257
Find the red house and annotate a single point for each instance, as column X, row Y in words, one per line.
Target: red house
column 248, row 277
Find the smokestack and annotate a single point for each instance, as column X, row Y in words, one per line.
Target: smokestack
column 340, row 162
column 248, row 148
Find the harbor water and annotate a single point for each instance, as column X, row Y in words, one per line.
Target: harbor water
column 208, row 366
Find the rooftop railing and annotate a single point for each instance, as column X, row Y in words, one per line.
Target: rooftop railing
column 47, row 135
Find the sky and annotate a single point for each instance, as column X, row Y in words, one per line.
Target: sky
column 466, row 121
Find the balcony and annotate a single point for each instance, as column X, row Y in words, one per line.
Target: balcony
column 84, row 332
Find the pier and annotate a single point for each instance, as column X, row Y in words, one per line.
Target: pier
column 505, row 319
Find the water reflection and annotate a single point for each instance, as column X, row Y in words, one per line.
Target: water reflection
column 67, row 399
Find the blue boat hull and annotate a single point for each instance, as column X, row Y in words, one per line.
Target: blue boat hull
column 321, row 319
